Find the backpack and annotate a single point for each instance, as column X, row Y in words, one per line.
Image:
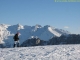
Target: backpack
column 15, row 36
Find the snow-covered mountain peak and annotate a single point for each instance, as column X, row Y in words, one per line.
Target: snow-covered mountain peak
column 20, row 26
column 38, row 26
column 34, row 28
column 46, row 26
column 4, row 25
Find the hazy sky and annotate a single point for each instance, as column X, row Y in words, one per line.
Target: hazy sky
column 62, row 15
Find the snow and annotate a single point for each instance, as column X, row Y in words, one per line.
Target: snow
column 55, row 52
column 54, row 32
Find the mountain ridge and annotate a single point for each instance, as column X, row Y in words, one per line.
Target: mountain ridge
column 43, row 32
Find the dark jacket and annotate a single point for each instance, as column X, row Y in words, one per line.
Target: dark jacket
column 16, row 38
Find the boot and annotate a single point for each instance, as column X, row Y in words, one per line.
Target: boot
column 14, row 45
column 17, row 44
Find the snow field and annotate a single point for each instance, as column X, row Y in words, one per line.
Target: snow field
column 55, row 52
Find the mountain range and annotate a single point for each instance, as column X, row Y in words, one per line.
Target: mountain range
column 26, row 32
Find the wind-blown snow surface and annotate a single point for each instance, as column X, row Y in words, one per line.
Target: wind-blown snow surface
column 55, row 52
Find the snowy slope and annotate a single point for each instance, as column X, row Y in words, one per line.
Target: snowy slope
column 44, row 33
column 55, row 52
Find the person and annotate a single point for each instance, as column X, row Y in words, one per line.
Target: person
column 16, row 39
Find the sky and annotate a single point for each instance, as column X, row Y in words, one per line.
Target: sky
column 62, row 15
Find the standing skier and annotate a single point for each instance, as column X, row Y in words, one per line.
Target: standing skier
column 16, row 39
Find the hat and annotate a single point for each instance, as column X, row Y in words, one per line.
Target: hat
column 18, row 33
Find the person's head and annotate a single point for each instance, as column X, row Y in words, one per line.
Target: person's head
column 18, row 33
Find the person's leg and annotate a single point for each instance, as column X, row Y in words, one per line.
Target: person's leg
column 18, row 43
column 15, row 42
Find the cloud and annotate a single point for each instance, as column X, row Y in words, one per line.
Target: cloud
column 66, row 27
